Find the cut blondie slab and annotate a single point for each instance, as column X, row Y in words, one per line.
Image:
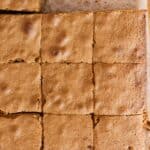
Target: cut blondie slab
column 67, row 88
column 70, row 132
column 92, row 5
column 20, row 132
column 120, row 37
column 67, row 37
column 119, row 133
column 20, row 38
column 120, row 89
column 20, row 88
column 20, row 5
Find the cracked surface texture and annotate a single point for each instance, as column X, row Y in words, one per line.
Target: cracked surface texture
column 92, row 5
column 71, row 97
column 120, row 89
column 120, row 36
column 119, row 133
column 67, row 88
column 20, row 132
column 67, row 37
column 20, row 37
column 68, row 132
column 20, row 88
column 20, row 5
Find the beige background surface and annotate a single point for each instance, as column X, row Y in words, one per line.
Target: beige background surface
column 92, row 5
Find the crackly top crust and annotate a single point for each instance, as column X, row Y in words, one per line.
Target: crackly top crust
column 20, row 88
column 120, row 132
column 20, row 5
column 120, row 37
column 70, row 132
column 20, row 37
column 120, row 89
column 92, row 5
column 20, row 132
column 67, row 88
column 67, row 37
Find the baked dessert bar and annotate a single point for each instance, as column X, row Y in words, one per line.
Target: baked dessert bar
column 67, row 88
column 20, row 88
column 63, row 46
column 119, row 133
column 67, row 37
column 20, row 132
column 120, row 36
column 21, row 5
column 20, row 37
column 70, row 132
column 120, row 89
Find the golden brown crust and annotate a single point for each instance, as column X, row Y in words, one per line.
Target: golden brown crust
column 20, row 88
column 120, row 37
column 21, row 132
column 120, row 89
column 67, row 37
column 20, row 37
column 68, row 132
column 120, row 133
column 67, row 88
column 20, row 5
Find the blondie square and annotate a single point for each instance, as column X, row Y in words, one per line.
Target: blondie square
column 21, row 5
column 20, row 88
column 70, row 132
column 120, row 37
column 20, row 132
column 120, row 89
column 119, row 133
column 67, row 37
column 20, row 38
column 67, row 88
